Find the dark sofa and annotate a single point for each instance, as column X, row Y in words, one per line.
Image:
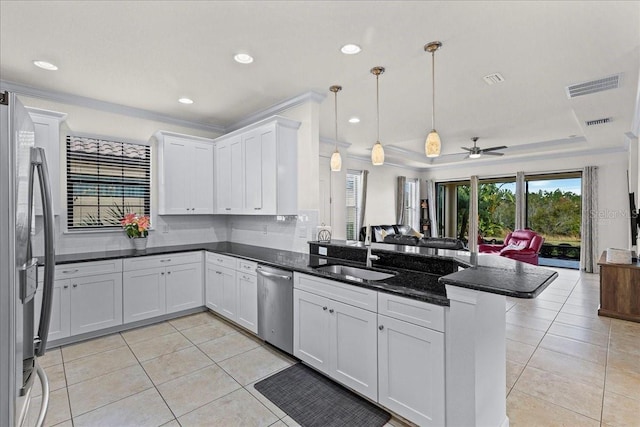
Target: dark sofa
column 399, row 234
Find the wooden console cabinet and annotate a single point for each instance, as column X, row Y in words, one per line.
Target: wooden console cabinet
column 619, row 290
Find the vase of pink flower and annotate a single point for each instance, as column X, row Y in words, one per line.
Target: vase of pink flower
column 137, row 229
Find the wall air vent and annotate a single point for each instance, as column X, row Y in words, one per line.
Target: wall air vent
column 599, row 85
column 494, row 78
column 598, row 121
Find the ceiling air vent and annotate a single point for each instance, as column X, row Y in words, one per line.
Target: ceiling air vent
column 599, row 85
column 494, row 78
column 598, row 121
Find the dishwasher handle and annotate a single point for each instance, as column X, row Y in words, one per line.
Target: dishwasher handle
column 267, row 274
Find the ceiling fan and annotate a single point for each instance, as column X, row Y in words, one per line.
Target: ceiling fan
column 476, row 152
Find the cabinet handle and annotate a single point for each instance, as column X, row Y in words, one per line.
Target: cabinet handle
column 381, row 327
column 227, row 209
column 193, row 209
column 324, row 308
column 75, row 285
column 168, row 272
column 218, row 272
column 162, row 274
column 166, row 260
column 65, row 287
column 257, row 209
column 70, row 271
column 331, row 310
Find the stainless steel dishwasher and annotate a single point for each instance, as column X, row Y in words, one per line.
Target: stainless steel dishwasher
column 275, row 307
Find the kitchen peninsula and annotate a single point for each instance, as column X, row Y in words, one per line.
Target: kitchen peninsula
column 427, row 341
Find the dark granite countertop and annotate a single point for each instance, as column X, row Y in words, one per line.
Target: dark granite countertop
column 422, row 273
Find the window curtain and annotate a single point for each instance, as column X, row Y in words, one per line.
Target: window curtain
column 589, row 226
column 473, row 215
column 431, row 200
column 521, row 202
column 400, row 202
column 363, row 198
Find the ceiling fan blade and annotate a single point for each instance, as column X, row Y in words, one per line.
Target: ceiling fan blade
column 502, row 147
column 491, row 153
column 465, row 148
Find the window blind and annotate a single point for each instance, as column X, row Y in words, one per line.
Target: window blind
column 106, row 180
column 354, row 179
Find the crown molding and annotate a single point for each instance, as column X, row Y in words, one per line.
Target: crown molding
column 276, row 109
column 47, row 113
column 108, row 107
column 333, row 142
column 395, row 165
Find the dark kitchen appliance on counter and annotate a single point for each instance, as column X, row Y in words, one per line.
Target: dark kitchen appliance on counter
column 275, row 307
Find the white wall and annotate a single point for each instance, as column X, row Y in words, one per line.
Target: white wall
column 613, row 202
column 167, row 230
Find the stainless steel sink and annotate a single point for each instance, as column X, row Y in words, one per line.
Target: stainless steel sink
column 358, row 273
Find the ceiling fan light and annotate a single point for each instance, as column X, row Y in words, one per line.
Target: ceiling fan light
column 432, row 144
column 377, row 154
column 336, row 161
column 475, row 155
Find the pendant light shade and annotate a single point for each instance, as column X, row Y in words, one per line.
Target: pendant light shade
column 432, row 144
column 377, row 152
column 336, row 158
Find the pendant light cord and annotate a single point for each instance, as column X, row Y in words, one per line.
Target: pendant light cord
column 336, row 110
column 378, row 105
column 433, row 90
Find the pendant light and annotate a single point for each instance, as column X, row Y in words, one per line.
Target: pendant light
column 432, row 143
column 336, row 159
column 377, row 153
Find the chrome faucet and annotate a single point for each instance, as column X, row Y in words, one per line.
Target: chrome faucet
column 367, row 243
column 371, row 257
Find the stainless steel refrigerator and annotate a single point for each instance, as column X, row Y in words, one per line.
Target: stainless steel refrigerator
column 21, row 341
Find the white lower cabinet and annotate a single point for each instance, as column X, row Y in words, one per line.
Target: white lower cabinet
column 247, row 307
column 156, row 285
column 60, row 322
column 336, row 338
column 86, row 297
column 232, row 289
column 96, row 302
column 411, row 371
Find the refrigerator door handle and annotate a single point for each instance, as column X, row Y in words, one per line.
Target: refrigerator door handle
column 39, row 161
column 44, row 406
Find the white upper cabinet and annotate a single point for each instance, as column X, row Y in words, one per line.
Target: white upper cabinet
column 257, row 169
column 185, row 174
column 47, row 135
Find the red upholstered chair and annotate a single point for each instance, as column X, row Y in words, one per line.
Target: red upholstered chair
column 521, row 245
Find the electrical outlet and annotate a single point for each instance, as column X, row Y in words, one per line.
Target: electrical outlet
column 264, row 229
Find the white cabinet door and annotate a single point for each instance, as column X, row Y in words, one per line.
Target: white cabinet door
column 253, row 163
column 143, row 294
column 354, row 346
column 176, row 169
column 247, row 285
column 223, row 176
column 184, row 287
column 47, row 135
column 269, row 185
column 311, row 324
column 411, row 371
column 213, row 288
column 59, row 326
column 221, row 290
column 236, row 186
column 201, row 182
column 96, row 302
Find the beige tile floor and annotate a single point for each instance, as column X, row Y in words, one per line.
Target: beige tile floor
column 565, row 366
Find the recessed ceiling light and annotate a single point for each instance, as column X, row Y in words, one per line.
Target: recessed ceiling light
column 350, row 49
column 243, row 58
column 354, row 120
column 45, row 65
column 185, row 101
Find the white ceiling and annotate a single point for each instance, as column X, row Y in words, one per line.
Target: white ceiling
column 147, row 54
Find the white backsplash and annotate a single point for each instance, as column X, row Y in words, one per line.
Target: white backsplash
column 291, row 233
column 167, row 230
